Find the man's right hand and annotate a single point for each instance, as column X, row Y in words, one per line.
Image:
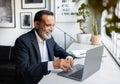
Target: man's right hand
column 62, row 64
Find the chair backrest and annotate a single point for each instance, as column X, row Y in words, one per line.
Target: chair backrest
column 5, row 53
column 12, row 58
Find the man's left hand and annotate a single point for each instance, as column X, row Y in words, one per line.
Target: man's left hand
column 70, row 61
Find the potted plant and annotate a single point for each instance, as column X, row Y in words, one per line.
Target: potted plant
column 96, row 37
column 82, row 14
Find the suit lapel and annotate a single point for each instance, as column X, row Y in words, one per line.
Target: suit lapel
column 50, row 51
column 35, row 44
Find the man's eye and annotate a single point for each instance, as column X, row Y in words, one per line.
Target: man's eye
column 49, row 25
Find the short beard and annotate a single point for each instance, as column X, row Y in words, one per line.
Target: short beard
column 43, row 34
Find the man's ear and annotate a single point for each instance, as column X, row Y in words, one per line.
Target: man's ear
column 36, row 24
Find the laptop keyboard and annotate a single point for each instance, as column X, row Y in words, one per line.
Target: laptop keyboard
column 77, row 74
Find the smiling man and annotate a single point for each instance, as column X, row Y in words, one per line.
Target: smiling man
column 36, row 49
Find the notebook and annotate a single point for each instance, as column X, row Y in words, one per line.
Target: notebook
column 78, row 53
column 91, row 65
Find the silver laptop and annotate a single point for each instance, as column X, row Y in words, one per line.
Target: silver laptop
column 91, row 65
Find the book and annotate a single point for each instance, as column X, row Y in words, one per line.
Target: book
column 78, row 53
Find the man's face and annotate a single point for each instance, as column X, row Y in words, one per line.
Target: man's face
column 45, row 27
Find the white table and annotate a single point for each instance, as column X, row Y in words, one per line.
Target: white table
column 109, row 72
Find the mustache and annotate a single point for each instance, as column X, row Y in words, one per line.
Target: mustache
column 49, row 31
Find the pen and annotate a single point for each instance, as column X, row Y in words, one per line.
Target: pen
column 82, row 53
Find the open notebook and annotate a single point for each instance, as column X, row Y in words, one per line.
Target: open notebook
column 78, row 53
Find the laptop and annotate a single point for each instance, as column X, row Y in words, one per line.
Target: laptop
column 91, row 65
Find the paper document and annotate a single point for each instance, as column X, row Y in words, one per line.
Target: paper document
column 78, row 53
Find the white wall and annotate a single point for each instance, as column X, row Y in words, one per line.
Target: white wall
column 9, row 35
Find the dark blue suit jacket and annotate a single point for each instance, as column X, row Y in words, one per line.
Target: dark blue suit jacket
column 29, row 68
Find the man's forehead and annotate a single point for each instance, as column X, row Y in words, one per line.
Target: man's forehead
column 47, row 17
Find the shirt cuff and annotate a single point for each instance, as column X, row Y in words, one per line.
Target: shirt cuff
column 50, row 66
column 69, row 57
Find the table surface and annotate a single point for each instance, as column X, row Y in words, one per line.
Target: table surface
column 109, row 72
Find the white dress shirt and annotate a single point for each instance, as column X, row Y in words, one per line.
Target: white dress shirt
column 44, row 52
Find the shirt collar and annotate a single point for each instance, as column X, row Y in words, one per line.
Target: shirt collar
column 38, row 38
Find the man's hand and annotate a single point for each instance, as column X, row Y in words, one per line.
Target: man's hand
column 70, row 60
column 64, row 64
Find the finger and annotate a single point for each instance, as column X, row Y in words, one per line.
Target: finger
column 71, row 62
column 68, row 66
column 64, row 68
column 65, row 65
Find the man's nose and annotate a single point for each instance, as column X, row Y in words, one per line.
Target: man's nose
column 52, row 27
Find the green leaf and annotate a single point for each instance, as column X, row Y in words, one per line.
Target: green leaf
column 95, row 28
